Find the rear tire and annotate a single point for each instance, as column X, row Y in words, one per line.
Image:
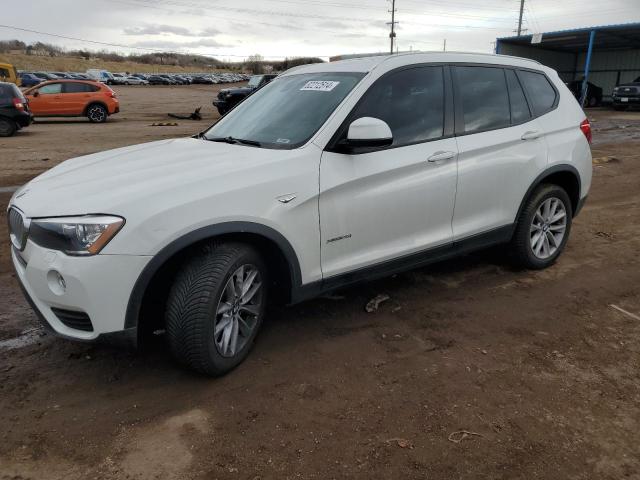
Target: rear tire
column 7, row 127
column 216, row 307
column 543, row 228
column 97, row 113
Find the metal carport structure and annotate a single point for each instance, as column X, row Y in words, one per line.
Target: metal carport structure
column 605, row 55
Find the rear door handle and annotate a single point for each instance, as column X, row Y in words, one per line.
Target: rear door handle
column 441, row 157
column 531, row 135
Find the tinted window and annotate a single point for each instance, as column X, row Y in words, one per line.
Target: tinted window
column 6, row 95
column 79, row 88
column 519, row 107
column 411, row 101
column 52, row 88
column 541, row 93
column 485, row 103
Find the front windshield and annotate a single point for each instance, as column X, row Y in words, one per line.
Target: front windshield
column 288, row 111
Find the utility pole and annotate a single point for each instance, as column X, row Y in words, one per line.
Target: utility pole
column 520, row 19
column 392, row 35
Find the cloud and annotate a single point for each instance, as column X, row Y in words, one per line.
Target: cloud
column 170, row 45
column 163, row 29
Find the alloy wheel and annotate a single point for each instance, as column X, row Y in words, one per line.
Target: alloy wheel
column 238, row 310
column 97, row 114
column 548, row 228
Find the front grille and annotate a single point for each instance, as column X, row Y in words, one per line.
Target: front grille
column 18, row 228
column 73, row 319
column 628, row 90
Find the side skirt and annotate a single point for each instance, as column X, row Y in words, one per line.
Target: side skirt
column 415, row 260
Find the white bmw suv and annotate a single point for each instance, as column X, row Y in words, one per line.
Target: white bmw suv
column 331, row 174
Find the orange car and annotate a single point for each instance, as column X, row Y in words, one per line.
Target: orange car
column 73, row 98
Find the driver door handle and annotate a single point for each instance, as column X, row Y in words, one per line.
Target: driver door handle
column 531, row 135
column 441, row 157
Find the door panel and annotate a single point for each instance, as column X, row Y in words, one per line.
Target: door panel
column 495, row 169
column 385, row 204
column 381, row 204
column 502, row 149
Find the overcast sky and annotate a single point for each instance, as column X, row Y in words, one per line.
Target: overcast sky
column 233, row 29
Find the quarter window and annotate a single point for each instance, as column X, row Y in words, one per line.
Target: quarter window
column 541, row 93
column 485, row 103
column 50, row 89
column 411, row 101
column 519, row 107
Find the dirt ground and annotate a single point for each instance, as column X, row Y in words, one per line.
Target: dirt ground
column 471, row 370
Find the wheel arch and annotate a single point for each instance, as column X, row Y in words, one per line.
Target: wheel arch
column 565, row 176
column 145, row 301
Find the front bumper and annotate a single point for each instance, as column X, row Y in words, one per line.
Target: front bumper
column 98, row 286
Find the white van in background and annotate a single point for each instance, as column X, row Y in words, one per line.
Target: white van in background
column 103, row 76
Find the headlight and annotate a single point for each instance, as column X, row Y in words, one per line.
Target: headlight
column 85, row 235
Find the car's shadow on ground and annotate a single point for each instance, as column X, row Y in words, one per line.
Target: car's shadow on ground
column 331, row 315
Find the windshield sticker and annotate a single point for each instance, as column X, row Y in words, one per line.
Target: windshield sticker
column 320, row 85
column 283, row 140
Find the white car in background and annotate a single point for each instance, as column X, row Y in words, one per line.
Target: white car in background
column 331, row 174
column 128, row 80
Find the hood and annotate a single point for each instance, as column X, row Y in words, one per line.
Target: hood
column 237, row 90
column 109, row 182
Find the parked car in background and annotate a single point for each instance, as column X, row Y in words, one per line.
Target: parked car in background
column 14, row 110
column 626, row 95
column 44, row 76
column 594, row 93
column 103, row 76
column 332, row 174
column 229, row 97
column 203, row 80
column 159, row 80
column 8, row 73
column 73, row 98
column 135, row 81
column 118, row 79
column 29, row 80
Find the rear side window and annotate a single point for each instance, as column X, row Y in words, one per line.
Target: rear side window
column 519, row 107
column 411, row 101
column 541, row 94
column 485, row 102
column 73, row 87
column 6, row 95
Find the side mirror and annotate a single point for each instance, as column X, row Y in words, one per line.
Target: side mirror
column 36, row 93
column 369, row 132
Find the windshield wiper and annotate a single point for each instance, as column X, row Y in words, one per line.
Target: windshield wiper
column 233, row 140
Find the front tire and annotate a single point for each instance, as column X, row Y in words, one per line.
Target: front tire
column 543, row 228
column 216, row 307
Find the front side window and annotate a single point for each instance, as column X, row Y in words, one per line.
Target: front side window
column 288, row 111
column 541, row 93
column 519, row 107
column 4, row 73
column 410, row 101
column 485, row 102
column 50, row 89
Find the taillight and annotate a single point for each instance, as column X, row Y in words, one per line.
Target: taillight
column 18, row 104
column 585, row 126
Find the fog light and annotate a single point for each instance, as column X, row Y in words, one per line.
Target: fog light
column 56, row 281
